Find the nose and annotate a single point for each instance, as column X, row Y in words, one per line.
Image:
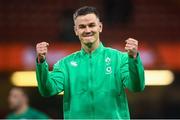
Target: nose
column 87, row 29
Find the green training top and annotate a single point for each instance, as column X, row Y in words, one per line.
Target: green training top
column 93, row 84
column 31, row 113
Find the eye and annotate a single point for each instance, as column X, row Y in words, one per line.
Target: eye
column 92, row 25
column 82, row 26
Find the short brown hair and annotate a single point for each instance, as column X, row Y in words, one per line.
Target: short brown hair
column 86, row 10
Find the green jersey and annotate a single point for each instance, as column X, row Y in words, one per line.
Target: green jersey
column 93, row 84
column 30, row 113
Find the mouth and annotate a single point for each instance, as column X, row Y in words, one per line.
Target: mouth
column 88, row 35
column 88, row 38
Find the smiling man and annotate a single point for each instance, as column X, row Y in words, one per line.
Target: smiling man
column 93, row 79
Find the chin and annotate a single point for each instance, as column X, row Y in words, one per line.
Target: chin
column 12, row 108
column 89, row 41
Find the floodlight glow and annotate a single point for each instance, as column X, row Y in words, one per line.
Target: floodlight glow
column 152, row 78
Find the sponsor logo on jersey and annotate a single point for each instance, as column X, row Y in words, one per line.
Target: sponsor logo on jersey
column 74, row 63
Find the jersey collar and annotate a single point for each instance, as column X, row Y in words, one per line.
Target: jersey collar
column 96, row 51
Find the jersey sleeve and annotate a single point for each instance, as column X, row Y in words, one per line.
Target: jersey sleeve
column 132, row 73
column 50, row 83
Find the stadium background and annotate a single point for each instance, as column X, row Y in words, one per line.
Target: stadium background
column 155, row 23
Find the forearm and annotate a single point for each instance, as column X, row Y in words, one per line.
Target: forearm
column 136, row 73
column 45, row 84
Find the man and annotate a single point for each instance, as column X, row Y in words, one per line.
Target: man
column 93, row 79
column 18, row 102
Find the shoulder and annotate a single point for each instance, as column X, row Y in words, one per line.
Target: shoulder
column 10, row 116
column 70, row 57
column 36, row 113
column 114, row 51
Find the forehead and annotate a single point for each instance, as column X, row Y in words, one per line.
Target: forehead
column 16, row 92
column 86, row 19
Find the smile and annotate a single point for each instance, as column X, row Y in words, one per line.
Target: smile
column 88, row 36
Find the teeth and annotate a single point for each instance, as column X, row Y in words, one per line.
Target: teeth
column 88, row 35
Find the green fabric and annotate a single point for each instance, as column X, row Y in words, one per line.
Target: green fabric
column 93, row 84
column 31, row 113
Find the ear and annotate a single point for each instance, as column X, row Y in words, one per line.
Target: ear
column 75, row 30
column 100, row 27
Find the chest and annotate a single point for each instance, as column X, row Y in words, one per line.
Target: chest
column 97, row 73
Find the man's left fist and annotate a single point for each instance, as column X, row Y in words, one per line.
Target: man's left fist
column 131, row 47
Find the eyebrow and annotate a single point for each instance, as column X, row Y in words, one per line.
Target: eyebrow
column 92, row 23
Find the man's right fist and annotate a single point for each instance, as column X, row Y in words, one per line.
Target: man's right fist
column 41, row 50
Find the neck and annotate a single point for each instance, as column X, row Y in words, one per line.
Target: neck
column 21, row 109
column 90, row 47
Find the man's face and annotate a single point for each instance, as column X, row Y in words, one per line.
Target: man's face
column 87, row 28
column 15, row 99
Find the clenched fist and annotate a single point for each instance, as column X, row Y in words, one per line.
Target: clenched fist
column 41, row 50
column 132, row 47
